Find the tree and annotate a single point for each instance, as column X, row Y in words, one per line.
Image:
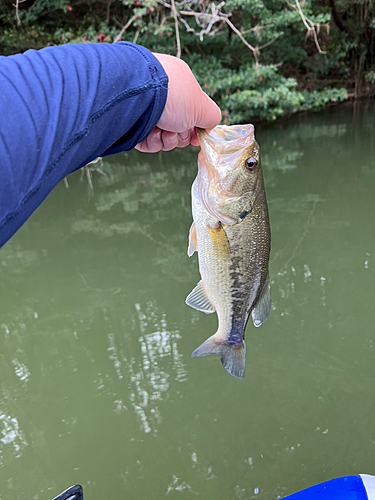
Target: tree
column 259, row 59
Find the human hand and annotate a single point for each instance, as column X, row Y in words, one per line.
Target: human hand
column 187, row 107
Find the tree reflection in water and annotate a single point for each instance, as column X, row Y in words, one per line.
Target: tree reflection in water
column 150, row 372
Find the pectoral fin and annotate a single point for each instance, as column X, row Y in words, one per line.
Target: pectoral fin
column 192, row 240
column 263, row 306
column 198, row 299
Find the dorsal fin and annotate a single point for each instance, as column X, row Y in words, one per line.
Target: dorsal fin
column 198, row 299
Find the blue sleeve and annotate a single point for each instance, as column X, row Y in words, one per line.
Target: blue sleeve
column 61, row 107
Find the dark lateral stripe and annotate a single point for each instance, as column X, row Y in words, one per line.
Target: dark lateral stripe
column 236, row 335
column 238, row 321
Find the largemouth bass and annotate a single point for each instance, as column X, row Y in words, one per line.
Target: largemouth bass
column 231, row 234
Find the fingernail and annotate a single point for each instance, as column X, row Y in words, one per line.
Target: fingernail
column 184, row 135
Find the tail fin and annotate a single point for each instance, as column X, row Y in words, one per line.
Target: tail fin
column 233, row 357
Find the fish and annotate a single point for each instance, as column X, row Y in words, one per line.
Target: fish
column 231, row 233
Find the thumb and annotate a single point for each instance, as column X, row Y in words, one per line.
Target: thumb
column 207, row 112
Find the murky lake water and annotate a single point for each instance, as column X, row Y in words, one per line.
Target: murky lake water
column 97, row 386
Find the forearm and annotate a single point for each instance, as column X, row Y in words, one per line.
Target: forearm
column 63, row 106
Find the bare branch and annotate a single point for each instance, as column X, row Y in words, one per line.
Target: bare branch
column 269, row 43
column 215, row 30
column 254, row 50
column 312, row 28
column 207, row 19
column 178, row 43
column 136, row 35
column 17, row 14
column 257, row 28
column 108, row 9
column 118, row 37
column 165, row 4
column 161, row 24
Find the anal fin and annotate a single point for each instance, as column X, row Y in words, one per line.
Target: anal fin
column 198, row 299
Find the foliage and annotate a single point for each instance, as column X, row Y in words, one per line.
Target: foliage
column 370, row 80
column 259, row 59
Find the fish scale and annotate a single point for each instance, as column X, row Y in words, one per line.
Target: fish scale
column 232, row 236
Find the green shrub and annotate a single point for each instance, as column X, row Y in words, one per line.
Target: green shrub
column 288, row 73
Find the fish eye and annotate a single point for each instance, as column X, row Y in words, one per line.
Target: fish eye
column 251, row 164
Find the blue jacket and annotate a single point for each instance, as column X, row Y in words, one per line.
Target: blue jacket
column 61, row 107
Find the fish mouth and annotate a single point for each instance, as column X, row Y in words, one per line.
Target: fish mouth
column 226, row 139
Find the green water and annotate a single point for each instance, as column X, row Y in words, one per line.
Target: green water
column 97, row 385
